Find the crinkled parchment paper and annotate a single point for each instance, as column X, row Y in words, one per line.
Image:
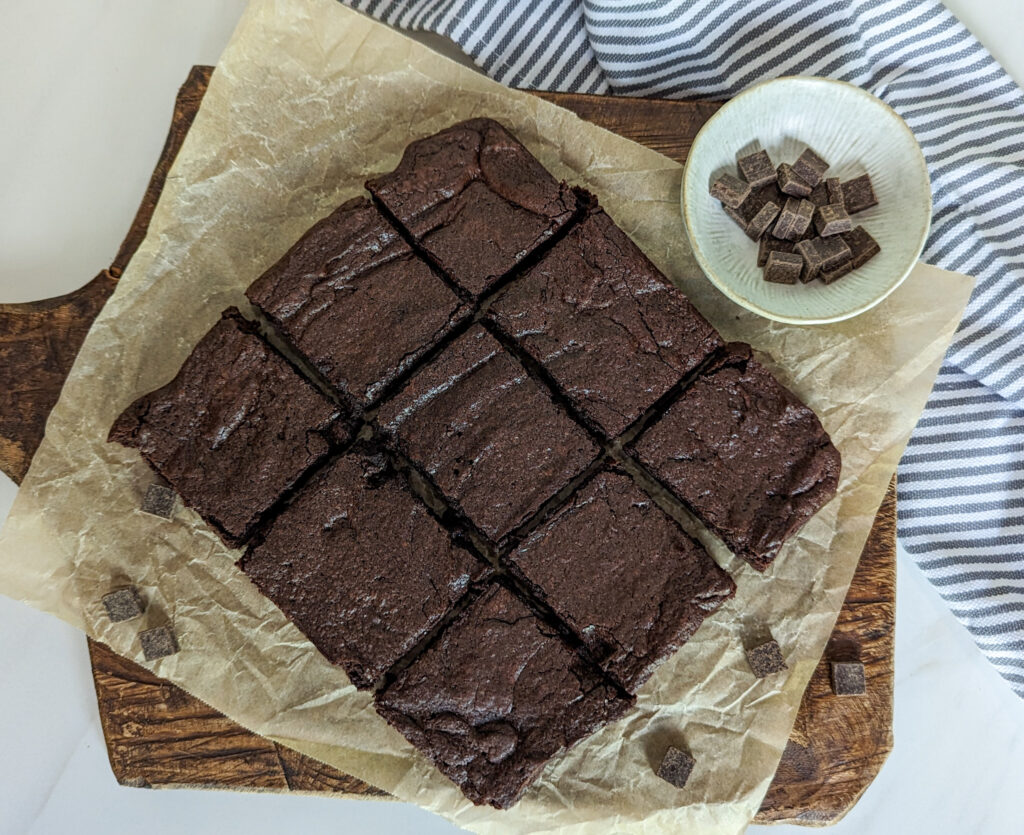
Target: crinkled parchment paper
column 309, row 99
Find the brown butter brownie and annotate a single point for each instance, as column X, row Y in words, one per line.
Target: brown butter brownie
column 495, row 696
column 742, row 451
column 622, row 575
column 486, row 434
column 612, row 331
column 234, row 430
column 360, row 566
column 354, row 300
column 475, row 200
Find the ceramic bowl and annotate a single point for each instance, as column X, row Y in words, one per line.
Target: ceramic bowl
column 856, row 133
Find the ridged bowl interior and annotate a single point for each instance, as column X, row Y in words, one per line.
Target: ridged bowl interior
column 856, row 133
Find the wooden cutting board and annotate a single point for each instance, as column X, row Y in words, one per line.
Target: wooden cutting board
column 158, row 736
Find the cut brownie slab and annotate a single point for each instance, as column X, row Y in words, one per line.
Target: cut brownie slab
column 234, row 430
column 750, row 460
column 476, row 200
column 496, row 696
column 631, row 611
column 353, row 299
column 360, row 566
column 612, row 331
column 488, row 436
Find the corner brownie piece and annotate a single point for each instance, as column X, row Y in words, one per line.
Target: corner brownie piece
column 750, row 460
column 631, row 612
column 476, row 200
column 352, row 298
column 488, row 436
column 234, row 430
column 496, row 696
column 360, row 566
column 612, row 331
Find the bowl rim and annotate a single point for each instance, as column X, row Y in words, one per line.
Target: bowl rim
column 704, row 263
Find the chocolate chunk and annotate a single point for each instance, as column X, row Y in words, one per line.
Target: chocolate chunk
column 783, row 267
column 791, row 183
column 822, row 254
column 762, row 220
column 732, row 191
column 123, row 604
column 769, row 243
column 834, row 274
column 757, row 169
column 159, row 501
column 848, row 678
column 831, row 220
column 859, row 194
column 766, row 659
column 158, row 642
column 676, row 767
column 809, row 167
column 737, row 216
column 819, row 195
column 794, row 220
column 862, row 245
column 834, row 187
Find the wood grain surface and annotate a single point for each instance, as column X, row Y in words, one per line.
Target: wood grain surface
column 158, row 735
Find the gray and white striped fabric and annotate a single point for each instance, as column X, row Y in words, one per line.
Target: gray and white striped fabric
column 961, row 495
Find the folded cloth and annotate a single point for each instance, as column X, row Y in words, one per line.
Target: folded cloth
column 961, row 494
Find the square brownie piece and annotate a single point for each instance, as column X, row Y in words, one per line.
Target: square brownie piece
column 495, row 696
column 353, row 299
column 748, row 458
column 475, row 200
column 609, row 328
column 360, row 566
column 631, row 613
column 489, row 437
column 234, row 430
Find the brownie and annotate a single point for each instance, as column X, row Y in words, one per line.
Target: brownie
column 489, row 437
column 496, row 696
column 352, row 298
column 612, row 331
column 360, row 566
column 750, row 460
column 631, row 612
column 475, row 200
column 234, row 430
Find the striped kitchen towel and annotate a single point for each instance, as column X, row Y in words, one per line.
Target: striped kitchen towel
column 961, row 495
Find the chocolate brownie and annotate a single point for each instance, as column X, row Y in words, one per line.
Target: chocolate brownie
column 622, row 575
column 612, row 331
column 360, row 566
column 234, row 430
column 496, row 696
column 475, row 200
column 488, row 436
column 750, row 460
column 353, row 299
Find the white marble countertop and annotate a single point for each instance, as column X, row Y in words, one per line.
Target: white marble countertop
column 85, row 102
